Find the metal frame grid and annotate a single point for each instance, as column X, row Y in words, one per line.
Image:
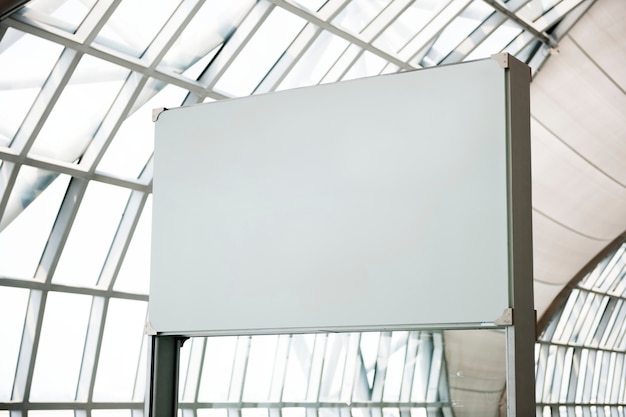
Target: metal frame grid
column 581, row 355
column 331, row 41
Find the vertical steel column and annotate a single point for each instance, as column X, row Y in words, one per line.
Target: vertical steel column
column 521, row 336
column 164, row 358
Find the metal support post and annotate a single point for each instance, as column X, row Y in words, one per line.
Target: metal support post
column 164, row 357
column 521, row 336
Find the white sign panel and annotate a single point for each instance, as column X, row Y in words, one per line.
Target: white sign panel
column 377, row 203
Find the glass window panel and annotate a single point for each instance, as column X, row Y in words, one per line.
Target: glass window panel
column 210, row 27
column 369, row 351
column 23, row 240
column 217, row 369
column 20, row 80
column 311, row 5
column 497, row 41
column 395, row 366
column 259, row 368
column 457, row 30
column 419, row 389
column 334, row 363
column 60, row 350
column 133, row 144
column 13, row 302
column 120, row 352
column 315, row 62
column 134, row 274
column 129, row 30
column 260, row 53
column 80, row 109
column 535, row 9
column 367, row 65
column 298, row 368
column 91, row 235
column 408, row 24
column 61, row 14
column 358, row 14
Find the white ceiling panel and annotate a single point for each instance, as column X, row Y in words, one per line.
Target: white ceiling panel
column 573, row 192
column 581, row 105
column 559, row 253
column 602, row 35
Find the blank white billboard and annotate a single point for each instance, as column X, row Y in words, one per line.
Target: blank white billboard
column 378, row 203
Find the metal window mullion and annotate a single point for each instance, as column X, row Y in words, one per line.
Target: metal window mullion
column 361, row 388
column 289, row 59
column 589, row 371
column 422, row 38
column 350, row 367
column 557, row 374
column 332, row 358
column 191, row 381
column 607, row 320
column 612, row 334
column 239, row 369
column 574, row 376
column 342, row 34
column 619, row 382
column 91, row 351
column 141, row 370
column 8, row 176
column 235, row 44
column 93, row 292
column 73, row 170
column 95, row 20
column 384, row 19
column 555, row 14
column 122, row 239
column 478, row 35
column 28, row 346
column 596, row 311
column 279, row 370
column 331, row 8
column 521, row 41
column 113, row 120
column 408, row 373
column 380, row 371
column 566, row 375
column 342, row 65
column 317, row 366
column 61, row 229
column 171, row 31
column 542, row 362
column 436, row 368
column 130, row 63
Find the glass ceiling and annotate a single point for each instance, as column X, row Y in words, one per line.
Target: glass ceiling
column 78, row 82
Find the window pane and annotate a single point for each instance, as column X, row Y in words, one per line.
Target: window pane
column 91, row 235
column 13, row 303
column 260, row 53
column 134, row 24
column 20, row 80
column 134, row 275
column 62, row 14
column 23, row 240
column 121, row 351
column 134, row 142
column 77, row 114
column 60, row 350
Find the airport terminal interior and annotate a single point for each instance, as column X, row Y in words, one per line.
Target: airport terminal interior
column 79, row 80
